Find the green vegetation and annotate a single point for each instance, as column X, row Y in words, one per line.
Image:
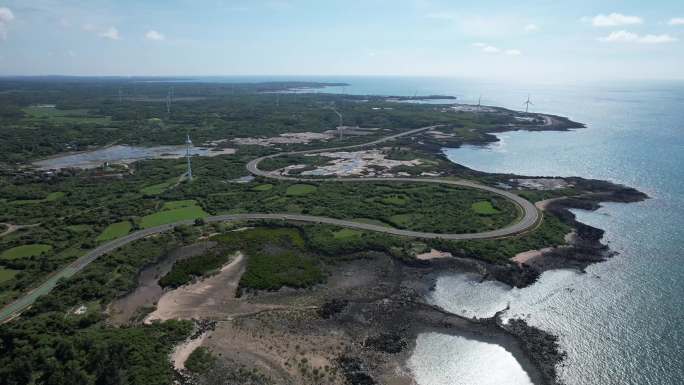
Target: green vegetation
column 414, row 206
column 263, row 187
column 300, row 189
column 551, row 232
column 484, row 208
column 276, row 257
column 200, row 360
column 157, row 189
column 7, row 274
column 173, row 212
column 25, row 251
column 371, row 221
column 79, row 229
column 51, row 197
column 395, row 199
column 404, row 220
column 50, row 344
column 269, row 271
column 346, row 234
column 186, row 270
column 173, row 205
column 115, row 230
column 55, row 115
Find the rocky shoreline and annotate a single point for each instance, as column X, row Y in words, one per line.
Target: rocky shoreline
column 586, row 248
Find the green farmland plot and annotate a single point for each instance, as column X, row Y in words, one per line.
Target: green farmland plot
column 115, row 230
column 25, row 251
column 173, row 212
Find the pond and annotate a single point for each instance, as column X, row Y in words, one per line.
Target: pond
column 124, row 154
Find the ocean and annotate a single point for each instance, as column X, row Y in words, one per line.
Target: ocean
column 622, row 322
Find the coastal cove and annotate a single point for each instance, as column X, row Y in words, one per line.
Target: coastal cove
column 618, row 321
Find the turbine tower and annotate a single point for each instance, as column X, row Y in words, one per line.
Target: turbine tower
column 527, row 104
column 188, row 143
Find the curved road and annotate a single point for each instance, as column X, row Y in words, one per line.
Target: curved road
column 529, row 219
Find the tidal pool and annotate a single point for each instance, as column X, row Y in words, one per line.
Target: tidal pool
column 467, row 295
column 441, row 359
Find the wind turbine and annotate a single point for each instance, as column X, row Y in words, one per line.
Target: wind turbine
column 479, row 102
column 527, row 104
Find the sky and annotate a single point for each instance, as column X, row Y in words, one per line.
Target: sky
column 545, row 40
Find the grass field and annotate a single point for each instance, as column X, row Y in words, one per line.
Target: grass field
column 403, row 220
column 484, row 208
column 6, row 274
column 346, row 234
column 396, row 200
column 25, row 251
column 173, row 212
column 172, row 205
column 78, row 229
column 300, row 189
column 50, row 198
column 158, row 188
column 115, row 230
column 263, row 187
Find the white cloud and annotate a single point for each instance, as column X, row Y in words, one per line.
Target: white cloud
column 676, row 21
column 490, row 49
column 71, row 53
column 630, row 37
column 531, row 28
column 613, row 20
column 154, row 35
column 111, row 33
column 6, row 17
column 657, row 39
column 620, row 37
column 88, row 27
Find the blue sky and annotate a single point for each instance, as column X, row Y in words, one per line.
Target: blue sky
column 546, row 40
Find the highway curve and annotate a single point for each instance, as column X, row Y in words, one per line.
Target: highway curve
column 529, row 219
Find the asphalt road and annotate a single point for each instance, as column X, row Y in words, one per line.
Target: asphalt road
column 529, row 219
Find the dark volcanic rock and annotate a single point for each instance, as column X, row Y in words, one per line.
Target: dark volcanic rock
column 330, row 308
column 355, row 372
column 540, row 346
column 387, row 342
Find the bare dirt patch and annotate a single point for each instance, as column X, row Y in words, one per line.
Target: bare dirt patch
column 210, row 298
column 286, row 138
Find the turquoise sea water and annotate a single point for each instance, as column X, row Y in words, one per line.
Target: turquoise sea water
column 623, row 321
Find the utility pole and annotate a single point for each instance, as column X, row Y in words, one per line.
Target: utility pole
column 188, row 143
